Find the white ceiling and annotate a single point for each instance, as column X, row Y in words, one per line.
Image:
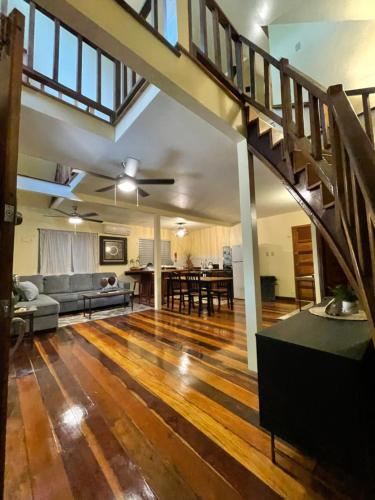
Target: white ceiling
column 248, row 15
column 170, row 141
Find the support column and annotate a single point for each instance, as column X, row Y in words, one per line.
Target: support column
column 157, row 263
column 253, row 303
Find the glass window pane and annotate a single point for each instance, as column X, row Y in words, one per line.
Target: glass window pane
column 44, row 44
column 170, row 28
column 24, row 8
column 89, row 71
column 108, row 68
column 68, row 59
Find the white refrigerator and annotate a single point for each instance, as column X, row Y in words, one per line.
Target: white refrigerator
column 238, row 277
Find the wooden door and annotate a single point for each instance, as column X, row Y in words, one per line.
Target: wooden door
column 303, row 263
column 11, row 53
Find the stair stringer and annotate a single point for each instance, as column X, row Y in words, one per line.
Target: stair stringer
column 324, row 219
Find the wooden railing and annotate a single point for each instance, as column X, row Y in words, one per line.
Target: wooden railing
column 354, row 162
column 224, row 52
column 319, row 122
column 365, row 111
column 99, row 84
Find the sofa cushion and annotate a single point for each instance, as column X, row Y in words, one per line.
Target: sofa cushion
column 97, row 277
column 37, row 279
column 65, row 297
column 27, row 290
column 46, row 305
column 81, row 282
column 57, row 284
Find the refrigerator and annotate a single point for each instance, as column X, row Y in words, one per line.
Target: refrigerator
column 238, row 277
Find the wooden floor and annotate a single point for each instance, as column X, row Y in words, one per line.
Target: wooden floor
column 149, row 405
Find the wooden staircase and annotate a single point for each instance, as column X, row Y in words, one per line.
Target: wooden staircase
column 322, row 154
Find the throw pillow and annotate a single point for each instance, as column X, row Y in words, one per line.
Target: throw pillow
column 28, row 290
column 112, row 283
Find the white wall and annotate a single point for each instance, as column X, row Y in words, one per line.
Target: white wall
column 330, row 52
column 275, row 246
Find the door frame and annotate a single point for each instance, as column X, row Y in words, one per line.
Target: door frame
column 11, row 57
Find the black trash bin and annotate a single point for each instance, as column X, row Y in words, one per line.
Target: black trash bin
column 268, row 284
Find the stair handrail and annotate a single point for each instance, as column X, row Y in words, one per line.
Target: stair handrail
column 356, row 142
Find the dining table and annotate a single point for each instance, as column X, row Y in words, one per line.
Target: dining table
column 146, row 278
column 208, row 281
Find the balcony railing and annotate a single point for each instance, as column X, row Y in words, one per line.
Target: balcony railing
column 61, row 63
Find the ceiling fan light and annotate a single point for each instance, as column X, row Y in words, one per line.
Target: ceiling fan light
column 181, row 232
column 127, row 186
column 75, row 219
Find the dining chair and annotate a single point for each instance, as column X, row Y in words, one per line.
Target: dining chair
column 222, row 289
column 196, row 291
column 176, row 288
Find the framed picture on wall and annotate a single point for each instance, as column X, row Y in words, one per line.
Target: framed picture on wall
column 113, row 250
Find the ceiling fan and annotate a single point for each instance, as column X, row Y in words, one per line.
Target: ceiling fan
column 127, row 181
column 76, row 218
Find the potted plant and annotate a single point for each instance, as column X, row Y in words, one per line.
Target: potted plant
column 349, row 301
column 189, row 263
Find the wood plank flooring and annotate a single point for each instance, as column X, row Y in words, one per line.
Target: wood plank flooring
column 149, row 405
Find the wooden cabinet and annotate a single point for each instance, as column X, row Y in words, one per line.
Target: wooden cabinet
column 316, row 387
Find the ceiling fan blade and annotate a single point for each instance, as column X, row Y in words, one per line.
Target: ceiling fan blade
column 108, row 188
column 61, row 212
column 101, row 176
column 92, row 220
column 89, row 214
column 56, row 216
column 154, row 181
column 143, row 193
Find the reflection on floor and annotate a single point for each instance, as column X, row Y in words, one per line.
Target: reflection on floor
column 148, row 405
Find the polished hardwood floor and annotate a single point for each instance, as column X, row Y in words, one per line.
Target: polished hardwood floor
column 149, row 405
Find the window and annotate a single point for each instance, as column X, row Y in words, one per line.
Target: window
column 62, row 252
column 146, row 252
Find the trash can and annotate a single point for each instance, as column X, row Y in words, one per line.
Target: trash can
column 268, row 284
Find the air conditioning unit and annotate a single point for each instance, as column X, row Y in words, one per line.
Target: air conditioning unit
column 116, row 229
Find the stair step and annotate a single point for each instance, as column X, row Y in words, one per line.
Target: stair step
column 328, row 199
column 313, row 180
column 299, row 161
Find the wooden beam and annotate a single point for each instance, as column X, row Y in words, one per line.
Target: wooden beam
column 99, row 76
column 203, row 26
column 267, row 90
column 316, row 143
column 368, row 117
column 10, row 110
column 79, row 65
column 216, row 36
column 56, row 51
column 229, row 49
column 239, row 68
column 30, row 45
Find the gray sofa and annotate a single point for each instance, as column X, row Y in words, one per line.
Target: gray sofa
column 63, row 294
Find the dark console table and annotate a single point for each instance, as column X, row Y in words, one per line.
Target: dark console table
column 316, row 388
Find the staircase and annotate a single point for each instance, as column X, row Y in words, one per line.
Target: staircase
column 322, row 154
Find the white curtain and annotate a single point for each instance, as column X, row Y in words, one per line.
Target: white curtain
column 62, row 252
column 55, row 252
column 85, row 254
